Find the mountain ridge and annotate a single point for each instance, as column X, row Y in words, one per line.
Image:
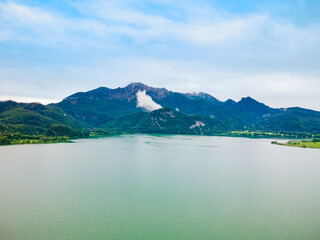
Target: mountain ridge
column 105, row 100
column 104, row 108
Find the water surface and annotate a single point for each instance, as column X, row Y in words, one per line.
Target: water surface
column 159, row 187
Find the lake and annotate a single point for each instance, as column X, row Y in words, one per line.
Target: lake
column 159, row 187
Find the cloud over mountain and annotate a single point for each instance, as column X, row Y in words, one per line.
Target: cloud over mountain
column 145, row 101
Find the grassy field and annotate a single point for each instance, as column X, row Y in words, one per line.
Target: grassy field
column 304, row 144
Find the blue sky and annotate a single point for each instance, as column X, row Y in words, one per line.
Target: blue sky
column 269, row 50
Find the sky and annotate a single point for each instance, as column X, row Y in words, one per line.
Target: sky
column 269, row 50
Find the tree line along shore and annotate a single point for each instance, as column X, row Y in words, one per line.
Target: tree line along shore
column 62, row 133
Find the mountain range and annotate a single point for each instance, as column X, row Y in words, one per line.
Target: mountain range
column 141, row 108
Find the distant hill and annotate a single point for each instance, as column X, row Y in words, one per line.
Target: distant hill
column 33, row 118
column 122, row 109
column 292, row 120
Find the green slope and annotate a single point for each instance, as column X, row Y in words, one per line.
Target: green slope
column 33, row 118
column 292, row 120
column 165, row 120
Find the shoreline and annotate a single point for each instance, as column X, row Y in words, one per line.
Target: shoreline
column 246, row 134
column 311, row 144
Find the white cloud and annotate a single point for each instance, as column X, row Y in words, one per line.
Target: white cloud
column 105, row 21
column 199, row 24
column 33, row 24
column 195, row 28
column 145, row 101
column 28, row 99
column 20, row 13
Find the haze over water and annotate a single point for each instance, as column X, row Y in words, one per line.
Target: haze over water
column 159, row 187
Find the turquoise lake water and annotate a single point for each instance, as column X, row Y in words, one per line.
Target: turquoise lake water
column 160, row 187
